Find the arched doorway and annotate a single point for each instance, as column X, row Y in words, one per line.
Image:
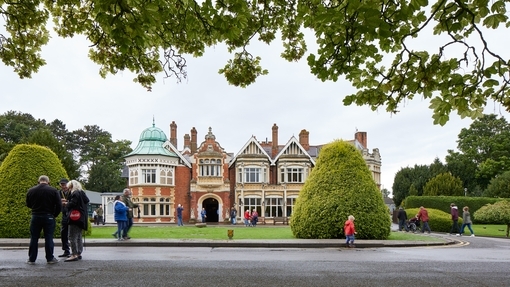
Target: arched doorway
column 211, row 207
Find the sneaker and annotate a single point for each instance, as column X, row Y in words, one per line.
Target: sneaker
column 72, row 258
column 53, row 261
column 472, row 235
column 66, row 254
column 30, row 262
column 457, row 234
column 120, row 239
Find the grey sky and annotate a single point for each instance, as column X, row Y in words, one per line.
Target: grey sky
column 70, row 89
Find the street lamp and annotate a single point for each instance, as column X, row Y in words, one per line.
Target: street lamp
column 465, row 191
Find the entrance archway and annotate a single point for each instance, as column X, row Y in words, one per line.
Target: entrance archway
column 211, row 208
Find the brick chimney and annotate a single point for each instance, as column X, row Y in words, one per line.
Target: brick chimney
column 304, row 139
column 173, row 134
column 193, row 140
column 274, row 149
column 187, row 142
column 361, row 137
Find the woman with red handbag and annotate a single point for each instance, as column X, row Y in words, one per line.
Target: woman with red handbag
column 77, row 216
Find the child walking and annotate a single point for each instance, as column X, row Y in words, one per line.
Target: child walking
column 349, row 231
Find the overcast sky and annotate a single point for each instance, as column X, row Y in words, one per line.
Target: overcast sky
column 70, row 89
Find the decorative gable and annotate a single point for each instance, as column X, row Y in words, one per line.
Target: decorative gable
column 252, row 149
column 294, row 150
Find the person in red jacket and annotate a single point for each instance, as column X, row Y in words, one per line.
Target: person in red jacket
column 247, row 221
column 423, row 215
column 349, row 231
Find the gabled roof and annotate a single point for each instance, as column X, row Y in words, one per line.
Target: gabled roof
column 295, row 148
column 252, row 147
column 169, row 146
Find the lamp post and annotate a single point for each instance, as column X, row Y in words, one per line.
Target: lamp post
column 465, row 191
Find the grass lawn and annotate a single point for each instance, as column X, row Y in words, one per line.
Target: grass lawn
column 487, row 230
column 220, row 233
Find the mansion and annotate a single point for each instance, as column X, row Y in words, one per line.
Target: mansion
column 266, row 176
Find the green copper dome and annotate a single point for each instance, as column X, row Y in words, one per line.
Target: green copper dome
column 151, row 143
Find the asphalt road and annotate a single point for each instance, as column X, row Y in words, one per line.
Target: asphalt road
column 476, row 262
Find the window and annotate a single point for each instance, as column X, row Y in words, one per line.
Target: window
column 252, row 174
column 164, row 206
column 149, row 206
column 149, row 175
column 210, row 167
column 133, row 177
column 252, row 203
column 166, row 177
column 290, row 206
column 273, row 207
column 292, row 175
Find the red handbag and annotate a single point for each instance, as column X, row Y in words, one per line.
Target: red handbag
column 75, row 215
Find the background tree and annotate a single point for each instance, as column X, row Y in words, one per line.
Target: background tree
column 499, row 186
column 340, row 185
column 444, row 184
column 497, row 213
column 18, row 172
column 485, row 146
column 371, row 43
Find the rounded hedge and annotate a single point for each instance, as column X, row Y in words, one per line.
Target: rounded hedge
column 20, row 171
column 340, row 185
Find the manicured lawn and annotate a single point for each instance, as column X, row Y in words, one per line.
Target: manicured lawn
column 220, row 233
column 487, row 230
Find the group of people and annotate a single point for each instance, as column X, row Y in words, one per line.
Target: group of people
column 46, row 203
column 251, row 219
column 423, row 217
column 123, row 214
column 98, row 216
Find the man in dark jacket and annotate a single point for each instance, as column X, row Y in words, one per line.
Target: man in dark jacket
column 454, row 211
column 402, row 218
column 64, row 230
column 126, row 198
column 46, row 204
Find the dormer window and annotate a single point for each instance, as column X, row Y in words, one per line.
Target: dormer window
column 210, row 167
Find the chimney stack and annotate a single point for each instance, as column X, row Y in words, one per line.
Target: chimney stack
column 187, row 142
column 274, row 149
column 361, row 137
column 193, row 140
column 304, row 139
column 173, row 134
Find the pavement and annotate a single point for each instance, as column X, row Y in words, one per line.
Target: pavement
column 243, row 243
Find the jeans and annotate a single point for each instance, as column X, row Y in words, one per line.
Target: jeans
column 464, row 225
column 233, row 220
column 349, row 239
column 121, row 227
column 203, row 219
column 76, row 239
column 455, row 227
column 425, row 226
column 179, row 221
column 246, row 222
column 402, row 225
column 129, row 223
column 46, row 223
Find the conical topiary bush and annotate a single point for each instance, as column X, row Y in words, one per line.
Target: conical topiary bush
column 20, row 171
column 340, row 185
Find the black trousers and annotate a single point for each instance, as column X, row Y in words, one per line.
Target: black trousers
column 64, row 235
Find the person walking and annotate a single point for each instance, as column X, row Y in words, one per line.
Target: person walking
column 100, row 213
column 64, row 230
column 254, row 218
column 350, row 231
column 94, row 215
column 454, row 211
column 402, row 218
column 126, row 198
column 179, row 215
column 233, row 215
column 247, row 217
column 121, row 217
column 78, row 218
column 466, row 221
column 46, row 205
column 423, row 216
column 203, row 214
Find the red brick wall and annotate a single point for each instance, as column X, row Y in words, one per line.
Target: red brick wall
column 182, row 179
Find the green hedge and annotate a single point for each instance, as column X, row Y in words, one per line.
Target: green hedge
column 439, row 221
column 443, row 203
column 20, row 171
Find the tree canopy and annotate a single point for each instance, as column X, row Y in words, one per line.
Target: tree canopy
column 372, row 44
